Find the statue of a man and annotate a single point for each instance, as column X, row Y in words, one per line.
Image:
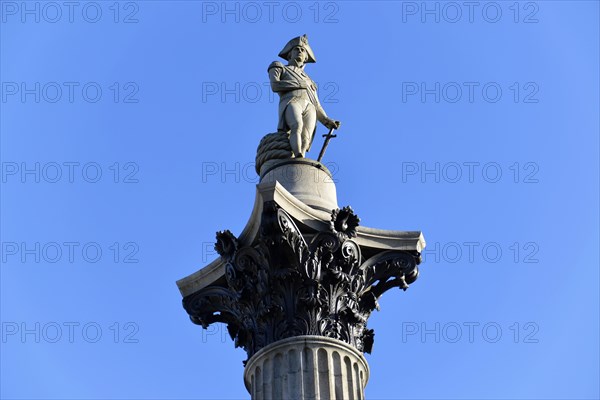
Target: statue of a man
column 299, row 107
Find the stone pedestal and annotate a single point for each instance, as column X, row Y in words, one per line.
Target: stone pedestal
column 307, row 180
column 307, row 367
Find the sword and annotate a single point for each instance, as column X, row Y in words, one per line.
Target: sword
column 327, row 137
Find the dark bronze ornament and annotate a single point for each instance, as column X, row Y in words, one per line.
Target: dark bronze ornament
column 289, row 283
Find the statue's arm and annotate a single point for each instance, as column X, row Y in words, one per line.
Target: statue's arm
column 321, row 114
column 282, row 85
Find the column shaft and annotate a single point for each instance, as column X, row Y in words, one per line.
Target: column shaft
column 307, row 368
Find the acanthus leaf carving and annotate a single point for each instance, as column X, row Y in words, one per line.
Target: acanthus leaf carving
column 284, row 285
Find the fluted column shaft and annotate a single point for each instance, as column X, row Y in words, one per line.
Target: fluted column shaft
column 307, row 368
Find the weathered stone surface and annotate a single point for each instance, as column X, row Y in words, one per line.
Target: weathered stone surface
column 307, row 367
column 299, row 106
column 307, row 180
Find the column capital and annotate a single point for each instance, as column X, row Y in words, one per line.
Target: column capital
column 291, row 281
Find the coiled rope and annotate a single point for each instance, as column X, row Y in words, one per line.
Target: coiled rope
column 273, row 146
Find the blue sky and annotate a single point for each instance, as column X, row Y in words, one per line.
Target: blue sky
column 128, row 134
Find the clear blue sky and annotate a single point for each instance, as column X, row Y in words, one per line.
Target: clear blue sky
column 128, row 133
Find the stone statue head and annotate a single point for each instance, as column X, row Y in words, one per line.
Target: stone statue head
column 301, row 41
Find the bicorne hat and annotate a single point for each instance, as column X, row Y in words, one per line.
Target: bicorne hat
column 298, row 41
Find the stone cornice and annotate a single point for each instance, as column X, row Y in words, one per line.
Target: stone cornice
column 309, row 219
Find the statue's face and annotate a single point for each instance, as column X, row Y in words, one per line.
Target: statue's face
column 298, row 54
